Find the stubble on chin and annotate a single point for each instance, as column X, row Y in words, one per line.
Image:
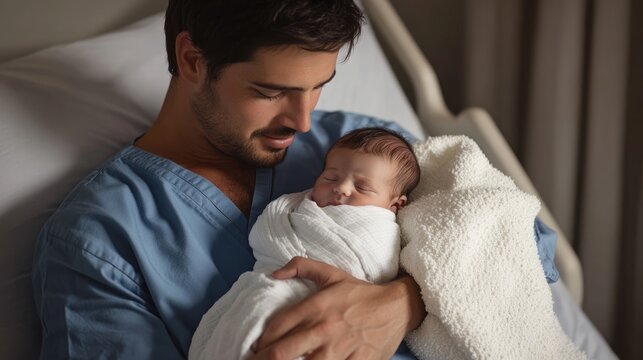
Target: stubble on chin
column 261, row 158
column 222, row 135
column 248, row 151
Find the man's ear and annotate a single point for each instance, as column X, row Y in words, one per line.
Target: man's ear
column 190, row 62
column 398, row 203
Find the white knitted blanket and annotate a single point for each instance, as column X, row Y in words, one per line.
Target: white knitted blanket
column 468, row 241
column 362, row 240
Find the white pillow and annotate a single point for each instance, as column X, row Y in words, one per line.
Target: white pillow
column 66, row 109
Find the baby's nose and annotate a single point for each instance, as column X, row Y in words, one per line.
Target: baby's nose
column 342, row 189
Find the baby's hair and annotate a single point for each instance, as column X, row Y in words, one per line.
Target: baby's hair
column 387, row 143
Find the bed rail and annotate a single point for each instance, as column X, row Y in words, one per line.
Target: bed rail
column 476, row 123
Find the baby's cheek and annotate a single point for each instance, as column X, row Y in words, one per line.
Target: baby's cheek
column 315, row 195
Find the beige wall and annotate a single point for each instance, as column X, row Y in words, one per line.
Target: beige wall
column 438, row 28
column 27, row 25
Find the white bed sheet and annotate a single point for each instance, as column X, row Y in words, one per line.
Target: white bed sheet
column 67, row 108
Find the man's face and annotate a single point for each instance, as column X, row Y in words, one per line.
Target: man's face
column 253, row 110
column 351, row 177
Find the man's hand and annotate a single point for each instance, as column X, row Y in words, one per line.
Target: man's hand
column 346, row 319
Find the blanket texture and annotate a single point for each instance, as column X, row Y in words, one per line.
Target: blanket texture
column 363, row 241
column 468, row 241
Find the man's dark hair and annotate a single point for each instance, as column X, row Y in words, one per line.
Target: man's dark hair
column 230, row 31
column 389, row 144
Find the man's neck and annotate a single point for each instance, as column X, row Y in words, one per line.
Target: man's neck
column 177, row 137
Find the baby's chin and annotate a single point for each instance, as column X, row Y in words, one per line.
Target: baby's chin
column 322, row 203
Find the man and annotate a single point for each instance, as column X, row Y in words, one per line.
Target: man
column 140, row 250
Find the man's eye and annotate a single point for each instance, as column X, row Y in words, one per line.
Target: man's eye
column 269, row 97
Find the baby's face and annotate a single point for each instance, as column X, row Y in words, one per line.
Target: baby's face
column 356, row 178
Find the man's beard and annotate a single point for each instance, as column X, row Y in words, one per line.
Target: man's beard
column 220, row 133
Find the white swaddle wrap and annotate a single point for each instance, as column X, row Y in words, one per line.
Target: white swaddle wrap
column 362, row 240
column 468, row 242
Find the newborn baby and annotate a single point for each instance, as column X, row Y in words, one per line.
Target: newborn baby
column 371, row 170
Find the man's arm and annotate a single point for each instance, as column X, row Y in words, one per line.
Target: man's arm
column 546, row 239
column 90, row 309
column 347, row 318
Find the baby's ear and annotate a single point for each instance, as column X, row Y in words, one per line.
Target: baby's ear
column 398, row 203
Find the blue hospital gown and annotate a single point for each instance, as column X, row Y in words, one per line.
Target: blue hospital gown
column 142, row 248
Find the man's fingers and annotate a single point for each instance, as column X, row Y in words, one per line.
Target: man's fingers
column 283, row 322
column 340, row 321
column 292, row 346
column 322, row 354
column 358, row 355
column 318, row 272
column 342, row 350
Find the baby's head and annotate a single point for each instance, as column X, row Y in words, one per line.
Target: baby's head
column 370, row 166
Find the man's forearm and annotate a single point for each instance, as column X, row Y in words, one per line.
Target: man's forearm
column 414, row 310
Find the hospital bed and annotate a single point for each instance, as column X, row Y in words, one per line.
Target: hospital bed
column 65, row 109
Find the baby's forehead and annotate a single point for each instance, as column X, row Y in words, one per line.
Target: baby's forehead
column 341, row 154
column 350, row 152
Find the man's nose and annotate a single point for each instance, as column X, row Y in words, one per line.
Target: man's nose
column 297, row 114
